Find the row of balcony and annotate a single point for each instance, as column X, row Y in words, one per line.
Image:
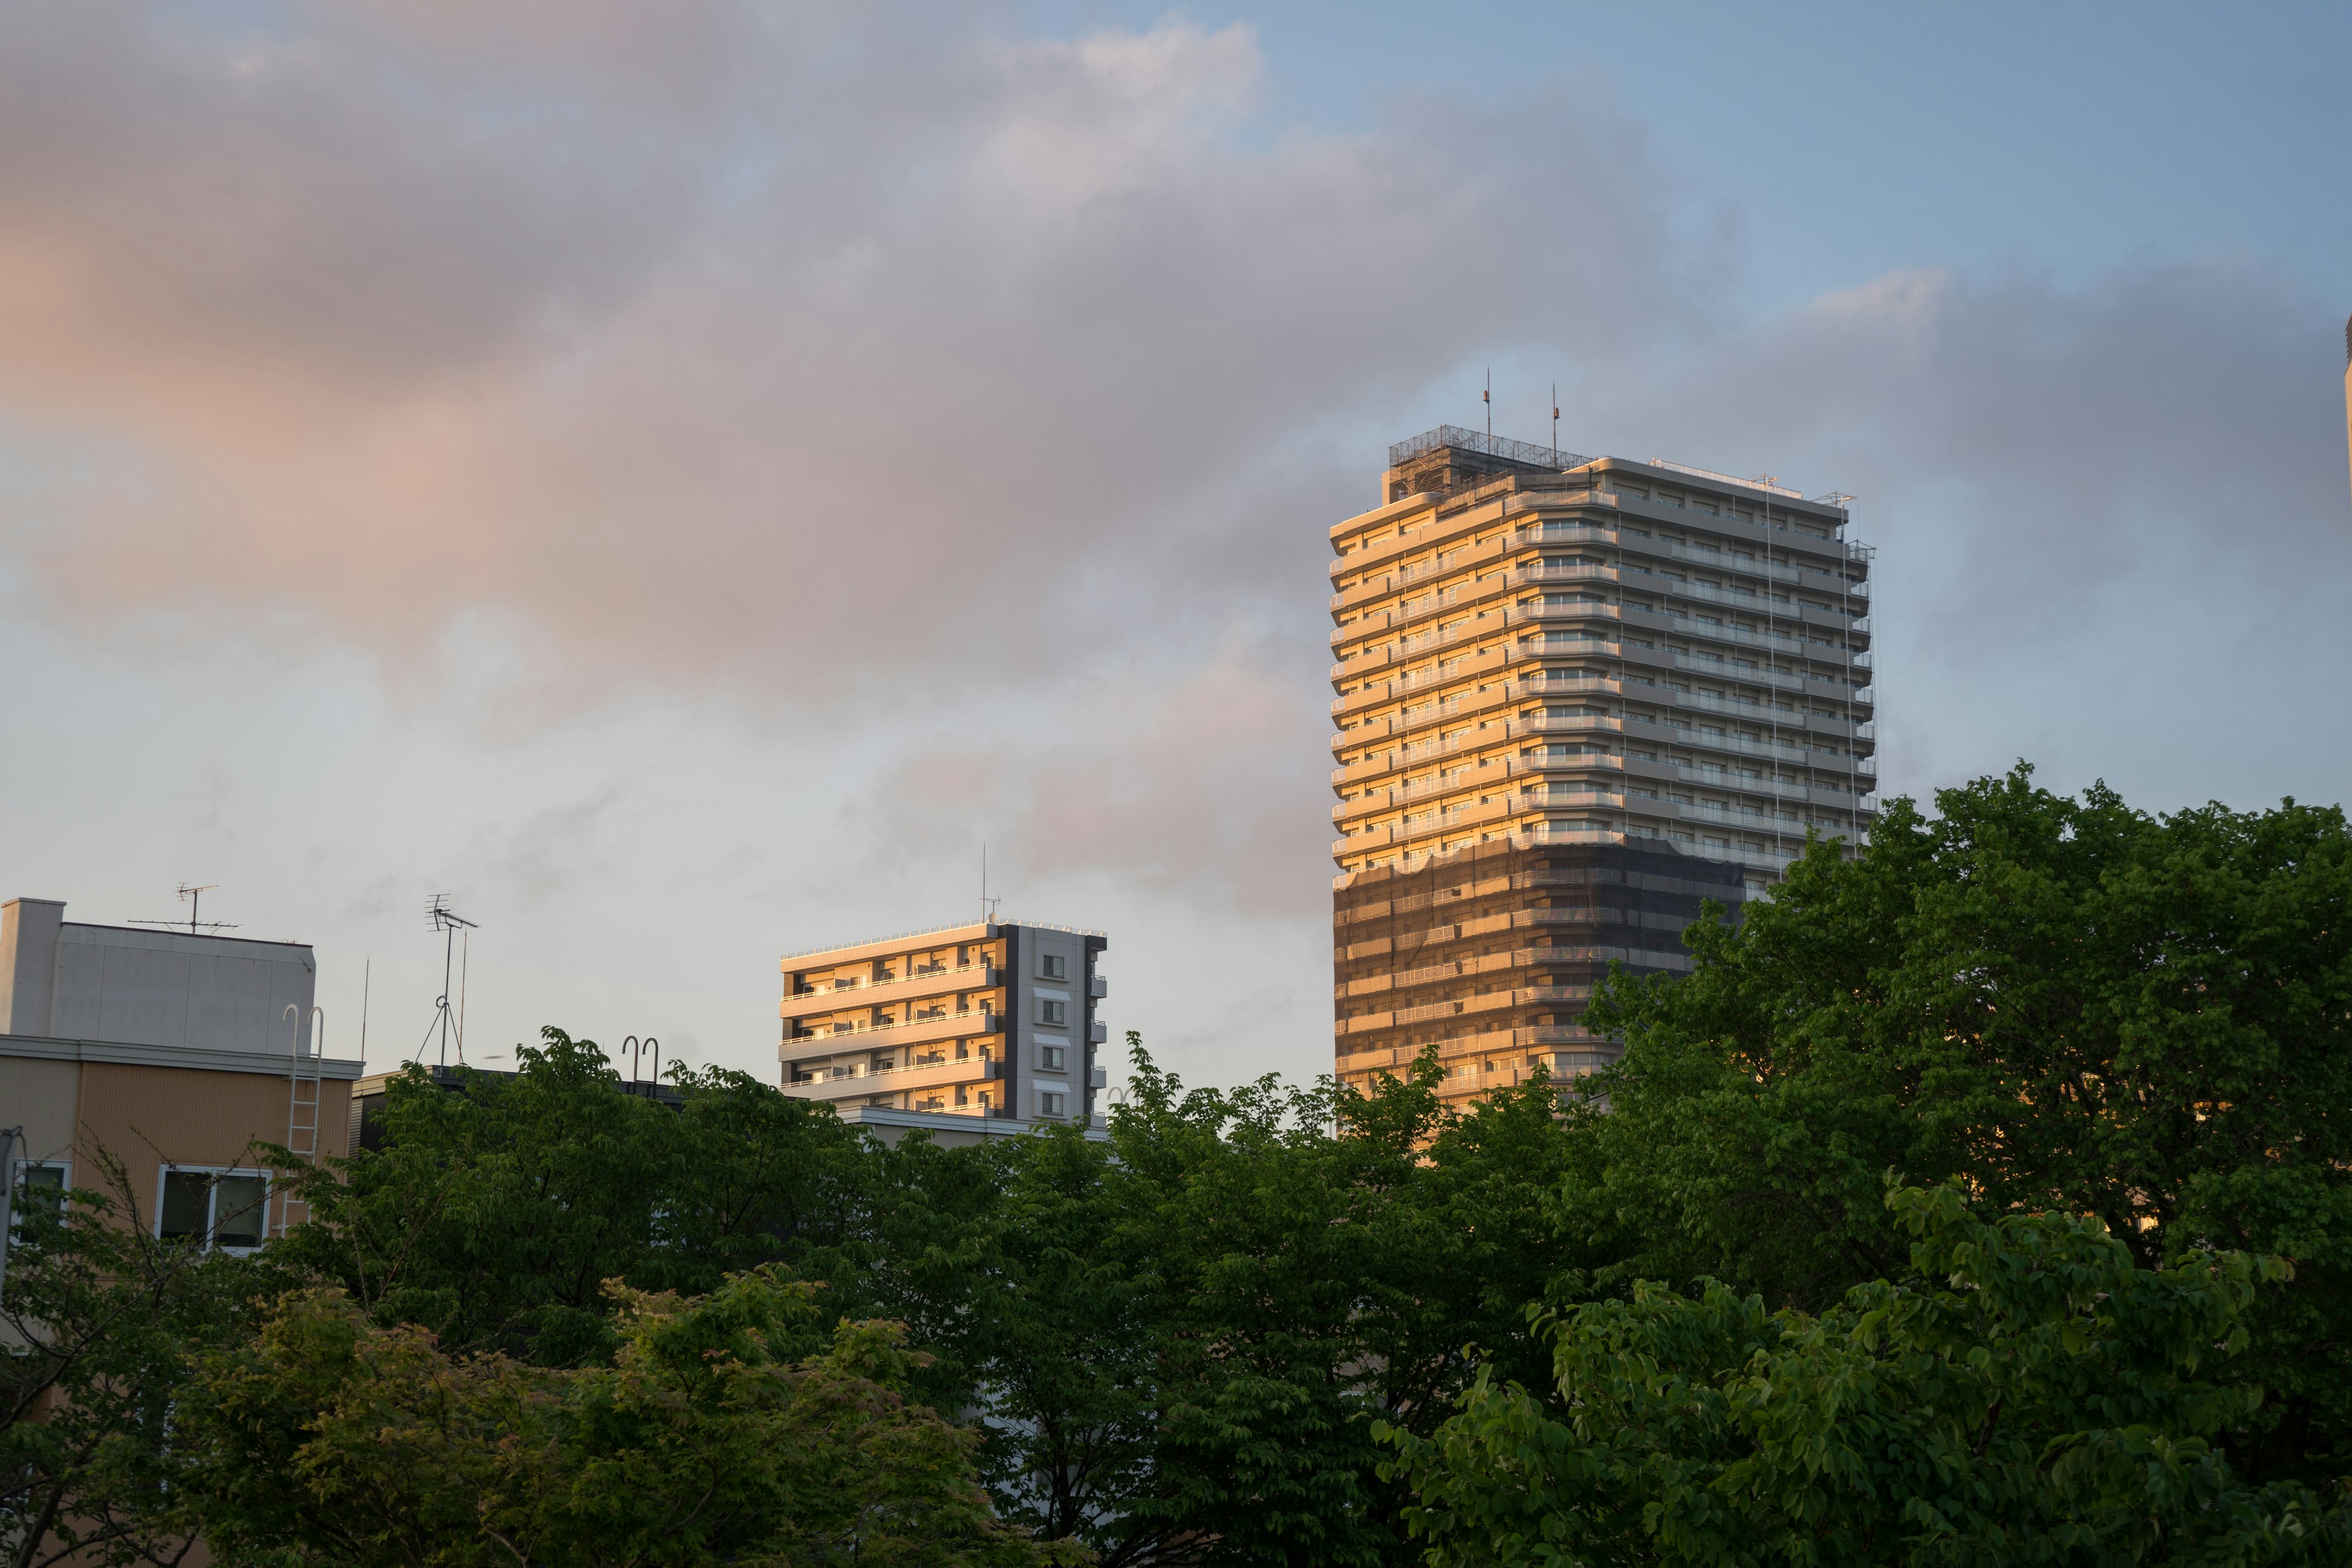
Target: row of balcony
column 1542, row 836
column 910, row 987
column 1523, row 958
column 1502, row 770
column 1748, row 709
column 1412, row 610
column 1711, row 738
column 1747, row 818
column 1563, row 530
column 1540, row 616
column 1679, row 517
column 1779, row 569
column 1638, row 577
column 1713, row 666
column 1579, row 1047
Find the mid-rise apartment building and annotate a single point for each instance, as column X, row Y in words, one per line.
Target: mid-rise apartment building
column 1575, row 698
column 990, row 1020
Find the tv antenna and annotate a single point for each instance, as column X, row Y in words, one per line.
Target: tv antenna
column 447, row 922
column 1555, row 424
column 987, row 904
column 1487, row 397
column 194, row 899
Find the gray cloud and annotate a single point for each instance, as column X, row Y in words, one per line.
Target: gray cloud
column 990, row 396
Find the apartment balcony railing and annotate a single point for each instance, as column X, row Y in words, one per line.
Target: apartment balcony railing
column 853, row 1083
column 903, row 1031
column 1503, row 769
column 1735, row 854
column 914, row 984
column 1853, row 550
column 1697, row 554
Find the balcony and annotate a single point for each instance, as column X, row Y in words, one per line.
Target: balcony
column 912, row 986
column 843, row 1038
column 1097, row 987
column 859, row 1083
column 1098, row 1032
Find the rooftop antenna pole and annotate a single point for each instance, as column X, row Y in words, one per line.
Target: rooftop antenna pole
column 1555, row 425
column 367, row 977
column 984, row 881
column 194, row 897
column 447, row 922
column 1487, row 397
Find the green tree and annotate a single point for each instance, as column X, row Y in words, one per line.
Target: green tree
column 329, row 1439
column 100, row 1324
column 2072, row 1005
column 2049, row 1403
column 494, row 1215
column 1182, row 1335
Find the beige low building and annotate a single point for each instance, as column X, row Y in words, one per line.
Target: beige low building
column 174, row 1052
column 991, row 1019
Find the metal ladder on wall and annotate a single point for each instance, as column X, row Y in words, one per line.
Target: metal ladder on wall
column 304, row 1074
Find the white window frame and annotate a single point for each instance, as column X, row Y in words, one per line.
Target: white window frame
column 16, row 1169
column 212, row 1200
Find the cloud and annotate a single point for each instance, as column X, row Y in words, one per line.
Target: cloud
column 1200, row 786
column 2048, row 441
column 892, row 362
column 967, row 404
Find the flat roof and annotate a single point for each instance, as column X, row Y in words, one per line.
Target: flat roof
column 980, row 931
column 192, row 1059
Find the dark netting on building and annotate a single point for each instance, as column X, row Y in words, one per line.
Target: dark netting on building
column 1491, row 952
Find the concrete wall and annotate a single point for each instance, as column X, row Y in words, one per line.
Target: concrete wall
column 28, row 962
column 40, row 1096
column 151, row 987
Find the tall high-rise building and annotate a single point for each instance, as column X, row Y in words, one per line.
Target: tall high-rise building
column 991, row 1019
column 1576, row 698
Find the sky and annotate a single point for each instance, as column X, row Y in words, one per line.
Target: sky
column 678, row 481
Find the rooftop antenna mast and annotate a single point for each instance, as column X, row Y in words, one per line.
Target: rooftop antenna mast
column 987, row 904
column 449, row 924
column 1487, row 397
column 1555, row 425
column 194, row 898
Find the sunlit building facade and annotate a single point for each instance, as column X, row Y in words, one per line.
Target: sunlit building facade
column 991, row 1019
column 1574, row 699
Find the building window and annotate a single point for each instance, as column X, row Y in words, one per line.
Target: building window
column 219, row 1209
column 1052, row 1103
column 40, row 1183
column 1052, row 1057
column 1053, row 1012
column 1053, row 966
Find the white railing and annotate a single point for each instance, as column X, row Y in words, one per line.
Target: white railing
column 982, row 1023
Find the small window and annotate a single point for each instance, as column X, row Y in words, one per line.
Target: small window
column 221, row 1208
column 1053, row 1012
column 1053, row 1104
column 1053, row 1058
column 40, row 1183
column 1053, row 966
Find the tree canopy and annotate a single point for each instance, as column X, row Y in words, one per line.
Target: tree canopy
column 1666, row 1313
